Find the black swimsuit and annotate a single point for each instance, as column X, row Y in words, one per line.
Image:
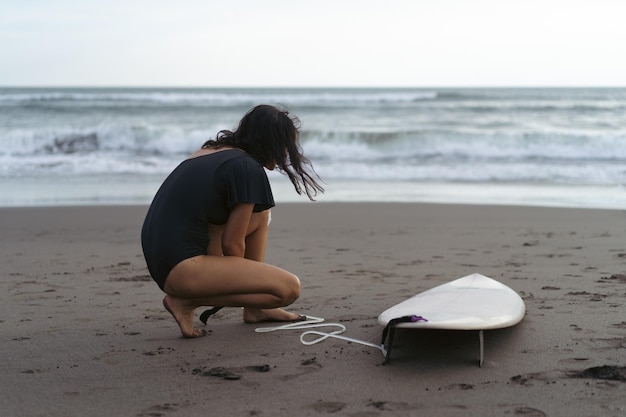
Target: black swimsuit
column 199, row 192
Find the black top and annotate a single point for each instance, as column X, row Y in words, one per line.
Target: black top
column 200, row 191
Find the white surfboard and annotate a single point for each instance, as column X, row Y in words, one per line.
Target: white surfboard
column 474, row 302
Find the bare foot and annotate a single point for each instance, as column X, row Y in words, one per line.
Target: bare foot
column 183, row 316
column 255, row 315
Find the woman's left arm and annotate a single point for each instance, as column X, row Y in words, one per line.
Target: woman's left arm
column 236, row 229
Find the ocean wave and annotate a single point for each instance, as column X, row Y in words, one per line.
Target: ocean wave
column 474, row 172
column 436, row 168
column 303, row 100
column 108, row 137
column 210, row 97
column 406, row 134
column 349, row 160
column 444, row 145
column 538, row 93
column 373, row 144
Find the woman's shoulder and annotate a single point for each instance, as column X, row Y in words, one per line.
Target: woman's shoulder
column 227, row 150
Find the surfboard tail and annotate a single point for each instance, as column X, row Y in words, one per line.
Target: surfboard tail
column 390, row 330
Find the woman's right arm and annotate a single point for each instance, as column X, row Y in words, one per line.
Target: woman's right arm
column 236, row 229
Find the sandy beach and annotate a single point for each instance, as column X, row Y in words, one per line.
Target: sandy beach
column 84, row 332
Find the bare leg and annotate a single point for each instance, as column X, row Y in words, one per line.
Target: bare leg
column 256, row 242
column 231, row 281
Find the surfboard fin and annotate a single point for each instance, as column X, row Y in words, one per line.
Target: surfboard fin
column 481, row 341
column 390, row 330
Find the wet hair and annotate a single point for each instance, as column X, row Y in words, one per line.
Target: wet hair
column 270, row 136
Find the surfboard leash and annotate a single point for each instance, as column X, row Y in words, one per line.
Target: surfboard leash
column 208, row 313
column 316, row 322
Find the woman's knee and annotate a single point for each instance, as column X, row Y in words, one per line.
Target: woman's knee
column 290, row 289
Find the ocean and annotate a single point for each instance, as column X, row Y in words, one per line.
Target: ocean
column 563, row 147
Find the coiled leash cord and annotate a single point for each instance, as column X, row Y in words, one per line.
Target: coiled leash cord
column 313, row 322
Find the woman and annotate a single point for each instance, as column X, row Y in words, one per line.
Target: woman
column 205, row 233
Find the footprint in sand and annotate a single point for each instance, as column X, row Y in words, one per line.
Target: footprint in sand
column 328, row 406
column 606, row 372
column 529, row 412
column 159, row 410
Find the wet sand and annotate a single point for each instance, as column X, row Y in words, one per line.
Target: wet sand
column 85, row 333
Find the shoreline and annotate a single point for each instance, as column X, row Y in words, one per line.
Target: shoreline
column 97, row 190
column 86, row 334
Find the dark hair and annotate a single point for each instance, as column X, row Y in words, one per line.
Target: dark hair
column 270, row 136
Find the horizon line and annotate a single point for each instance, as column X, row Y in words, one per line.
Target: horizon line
column 277, row 87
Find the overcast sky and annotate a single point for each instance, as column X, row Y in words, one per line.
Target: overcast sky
column 229, row 43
